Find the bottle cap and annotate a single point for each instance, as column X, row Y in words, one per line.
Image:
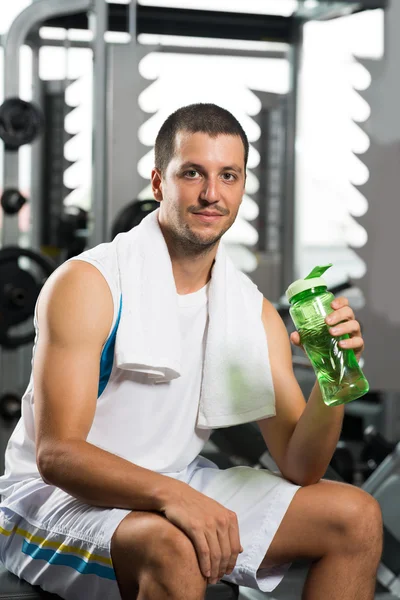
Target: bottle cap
column 312, row 280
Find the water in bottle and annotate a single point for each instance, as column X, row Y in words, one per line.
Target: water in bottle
column 339, row 375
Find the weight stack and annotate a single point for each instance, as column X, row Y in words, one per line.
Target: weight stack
column 54, row 163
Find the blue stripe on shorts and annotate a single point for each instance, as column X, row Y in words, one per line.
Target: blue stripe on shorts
column 55, row 558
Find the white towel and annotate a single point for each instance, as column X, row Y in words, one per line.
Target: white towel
column 237, row 382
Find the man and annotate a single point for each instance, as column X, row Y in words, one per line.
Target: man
column 120, row 504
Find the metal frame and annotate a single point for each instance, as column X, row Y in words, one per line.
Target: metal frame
column 389, row 468
column 332, row 9
column 170, row 49
column 289, row 238
column 193, row 23
column 36, row 157
column 98, row 20
column 202, row 23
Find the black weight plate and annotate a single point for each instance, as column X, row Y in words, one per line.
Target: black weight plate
column 132, row 214
column 18, row 293
column 10, row 406
column 12, row 201
column 19, row 290
column 15, row 252
column 20, row 123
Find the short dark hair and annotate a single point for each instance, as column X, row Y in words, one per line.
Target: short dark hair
column 196, row 118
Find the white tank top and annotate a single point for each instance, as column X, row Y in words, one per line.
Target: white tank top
column 151, row 425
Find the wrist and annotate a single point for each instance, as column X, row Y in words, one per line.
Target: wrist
column 166, row 492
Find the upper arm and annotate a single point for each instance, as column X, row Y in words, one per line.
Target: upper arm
column 289, row 399
column 74, row 314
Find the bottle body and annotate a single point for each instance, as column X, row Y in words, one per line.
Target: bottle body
column 339, row 375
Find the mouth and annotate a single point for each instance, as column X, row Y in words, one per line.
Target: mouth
column 208, row 217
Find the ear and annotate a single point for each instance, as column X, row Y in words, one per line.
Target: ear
column 156, row 184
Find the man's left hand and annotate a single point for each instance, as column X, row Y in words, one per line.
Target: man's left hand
column 340, row 322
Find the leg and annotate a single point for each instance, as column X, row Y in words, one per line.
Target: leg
column 339, row 527
column 154, row 560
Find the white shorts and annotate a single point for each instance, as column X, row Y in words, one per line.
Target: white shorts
column 55, row 541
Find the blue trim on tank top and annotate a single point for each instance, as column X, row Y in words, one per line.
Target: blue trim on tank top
column 107, row 356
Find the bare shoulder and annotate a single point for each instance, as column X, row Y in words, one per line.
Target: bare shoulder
column 75, row 301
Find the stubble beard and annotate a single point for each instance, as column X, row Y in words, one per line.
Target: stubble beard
column 187, row 243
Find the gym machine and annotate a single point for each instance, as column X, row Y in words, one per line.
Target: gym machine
column 40, row 123
column 58, row 231
column 23, row 270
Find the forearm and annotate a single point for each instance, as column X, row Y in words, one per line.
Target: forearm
column 100, row 478
column 314, row 440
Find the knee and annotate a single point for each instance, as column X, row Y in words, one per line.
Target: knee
column 361, row 523
column 174, row 550
column 149, row 550
column 174, row 562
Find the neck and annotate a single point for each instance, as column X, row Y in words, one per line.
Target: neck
column 191, row 265
column 191, row 274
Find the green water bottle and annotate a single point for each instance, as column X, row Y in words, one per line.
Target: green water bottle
column 339, row 375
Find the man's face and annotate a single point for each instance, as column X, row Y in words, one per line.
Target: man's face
column 206, row 175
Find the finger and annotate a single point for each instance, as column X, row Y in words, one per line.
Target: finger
column 225, row 545
column 354, row 343
column 215, row 554
column 295, row 338
column 351, row 328
column 339, row 302
column 203, row 553
column 342, row 314
column 236, row 547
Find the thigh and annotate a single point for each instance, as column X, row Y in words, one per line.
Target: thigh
column 319, row 519
column 70, row 564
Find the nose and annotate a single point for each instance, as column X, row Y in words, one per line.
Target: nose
column 210, row 192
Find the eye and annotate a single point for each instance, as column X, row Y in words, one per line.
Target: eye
column 229, row 176
column 191, row 174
